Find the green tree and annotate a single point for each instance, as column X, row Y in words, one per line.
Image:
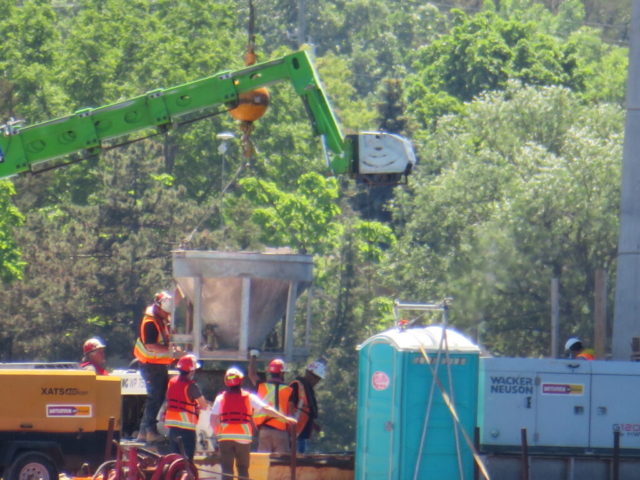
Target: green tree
column 304, row 218
column 11, row 262
column 605, row 66
column 91, row 269
column 28, row 59
column 392, row 108
column 483, row 52
column 528, row 189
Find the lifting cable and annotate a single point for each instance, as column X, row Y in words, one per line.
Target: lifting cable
column 369, row 219
column 187, row 239
column 301, row 246
column 244, row 167
column 443, row 341
column 252, row 22
column 434, row 375
column 448, row 400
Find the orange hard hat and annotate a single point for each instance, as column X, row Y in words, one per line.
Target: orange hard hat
column 188, row 363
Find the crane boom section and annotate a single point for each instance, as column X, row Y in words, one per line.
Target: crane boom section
column 85, row 130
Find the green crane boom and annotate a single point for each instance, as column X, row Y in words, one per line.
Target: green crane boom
column 375, row 155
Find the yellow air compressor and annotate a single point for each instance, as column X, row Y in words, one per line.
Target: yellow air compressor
column 55, row 420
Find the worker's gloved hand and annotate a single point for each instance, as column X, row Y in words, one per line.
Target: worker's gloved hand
column 316, row 428
column 254, row 352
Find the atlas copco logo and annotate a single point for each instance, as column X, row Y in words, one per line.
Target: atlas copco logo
column 62, row 391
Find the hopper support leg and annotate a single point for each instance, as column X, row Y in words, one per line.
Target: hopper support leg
column 243, row 344
column 290, row 319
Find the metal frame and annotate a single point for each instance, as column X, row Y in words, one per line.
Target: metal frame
column 240, row 267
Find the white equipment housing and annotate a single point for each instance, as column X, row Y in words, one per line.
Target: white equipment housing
column 379, row 153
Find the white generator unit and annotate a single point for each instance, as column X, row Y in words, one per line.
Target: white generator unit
column 568, row 407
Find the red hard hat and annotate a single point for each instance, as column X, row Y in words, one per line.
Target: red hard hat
column 188, row 363
column 276, row 366
column 92, row 345
column 233, row 377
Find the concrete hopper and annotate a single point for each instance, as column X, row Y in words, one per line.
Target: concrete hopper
column 235, row 301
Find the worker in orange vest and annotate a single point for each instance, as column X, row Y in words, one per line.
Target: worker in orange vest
column 303, row 398
column 152, row 351
column 93, row 358
column 273, row 434
column 231, row 421
column 577, row 351
column 184, row 404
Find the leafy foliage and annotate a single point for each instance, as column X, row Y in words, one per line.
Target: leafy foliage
column 91, row 268
column 483, row 52
column 527, row 190
column 509, row 105
column 304, row 217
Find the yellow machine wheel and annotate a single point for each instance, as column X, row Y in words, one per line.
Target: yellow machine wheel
column 30, row 466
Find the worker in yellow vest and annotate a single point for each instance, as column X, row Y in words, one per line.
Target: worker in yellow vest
column 152, row 351
column 184, row 404
column 577, row 351
column 273, row 433
column 231, row 421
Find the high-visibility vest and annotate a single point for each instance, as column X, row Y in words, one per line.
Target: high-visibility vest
column 302, row 408
column 235, row 417
column 181, row 412
column 585, row 356
column 140, row 350
column 94, row 366
column 275, row 395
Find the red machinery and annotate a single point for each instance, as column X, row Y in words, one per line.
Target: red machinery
column 135, row 463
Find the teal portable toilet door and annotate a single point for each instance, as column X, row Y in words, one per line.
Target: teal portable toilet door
column 379, row 460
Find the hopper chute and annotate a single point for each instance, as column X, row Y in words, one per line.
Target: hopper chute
column 236, row 301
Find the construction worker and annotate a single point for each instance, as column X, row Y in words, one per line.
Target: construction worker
column 184, row 404
column 303, row 398
column 577, row 351
column 231, row 421
column 273, row 434
column 93, row 358
column 152, row 351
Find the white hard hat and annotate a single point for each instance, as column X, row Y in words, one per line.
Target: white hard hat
column 317, row 368
column 92, row 345
column 164, row 300
column 571, row 342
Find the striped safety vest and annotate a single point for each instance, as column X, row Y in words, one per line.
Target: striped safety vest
column 140, row 350
column 235, row 417
column 302, row 408
column 276, row 395
column 181, row 412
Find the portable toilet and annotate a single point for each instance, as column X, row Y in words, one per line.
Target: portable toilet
column 406, row 430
